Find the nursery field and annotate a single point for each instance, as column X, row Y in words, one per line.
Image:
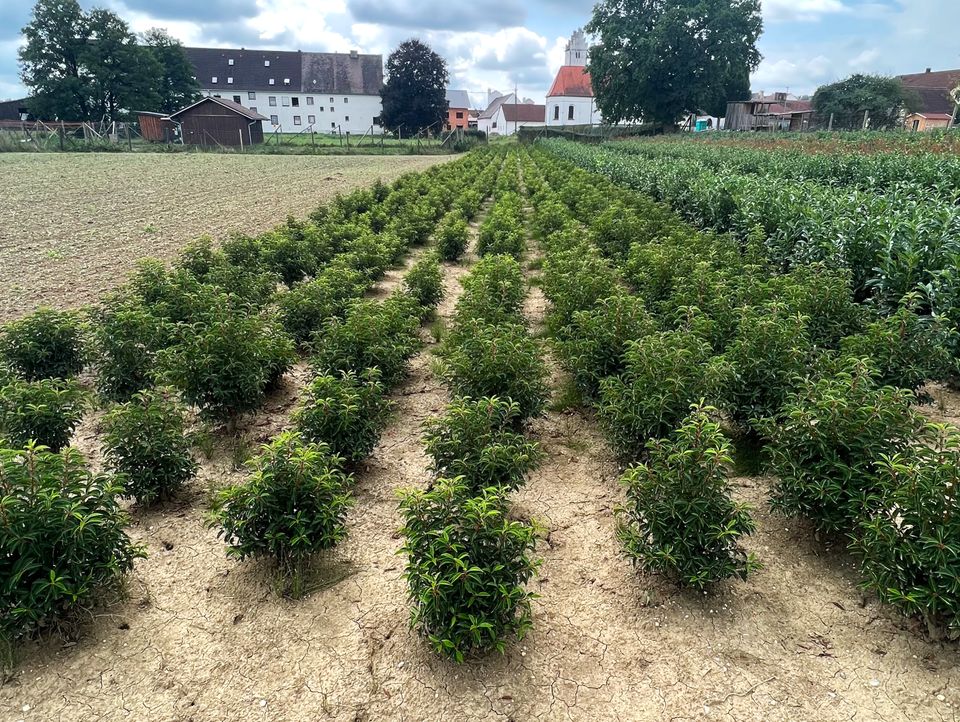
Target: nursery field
column 504, row 439
column 72, row 225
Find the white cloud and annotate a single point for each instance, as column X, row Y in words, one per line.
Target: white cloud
column 800, row 10
column 795, row 76
column 865, row 60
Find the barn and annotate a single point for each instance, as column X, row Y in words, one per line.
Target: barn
column 217, row 121
column 155, row 126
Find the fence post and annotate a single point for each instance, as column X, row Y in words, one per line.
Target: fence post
column 129, row 138
column 830, row 124
column 61, row 135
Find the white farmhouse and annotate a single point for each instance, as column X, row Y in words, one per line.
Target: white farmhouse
column 297, row 91
column 570, row 98
column 504, row 116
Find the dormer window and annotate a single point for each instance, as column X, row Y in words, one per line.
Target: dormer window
column 229, row 81
column 270, row 81
column 213, row 79
column 266, row 63
column 229, row 61
column 286, row 81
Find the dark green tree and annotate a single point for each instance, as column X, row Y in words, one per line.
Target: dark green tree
column 414, row 96
column 658, row 61
column 176, row 87
column 883, row 99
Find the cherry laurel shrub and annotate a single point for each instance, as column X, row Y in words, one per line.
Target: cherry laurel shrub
column 909, row 542
column 145, row 446
column 493, row 291
column 424, row 282
column 63, row 540
column 45, row 411
column 825, row 444
column 47, row 344
column 679, row 518
column 476, row 440
column 467, row 564
column 451, row 236
column 346, row 411
column 293, row 506
column 304, row 308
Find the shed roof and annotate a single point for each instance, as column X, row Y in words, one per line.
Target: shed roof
column 228, row 104
column 524, row 112
column 932, row 116
column 572, row 80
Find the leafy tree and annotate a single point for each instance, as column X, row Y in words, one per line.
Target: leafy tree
column 885, row 99
column 176, row 87
column 659, row 61
column 414, row 96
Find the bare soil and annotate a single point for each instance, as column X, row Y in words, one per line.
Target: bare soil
column 72, row 225
column 200, row 637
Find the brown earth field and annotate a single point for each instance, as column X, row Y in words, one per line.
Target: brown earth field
column 72, row 225
column 198, row 637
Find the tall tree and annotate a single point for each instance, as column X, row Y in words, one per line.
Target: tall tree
column 884, row 99
column 659, row 61
column 51, row 61
column 177, row 86
column 414, row 96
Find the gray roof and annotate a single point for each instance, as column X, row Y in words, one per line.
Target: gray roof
column 495, row 106
column 458, row 99
column 307, row 72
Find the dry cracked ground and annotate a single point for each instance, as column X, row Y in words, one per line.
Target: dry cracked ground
column 202, row 638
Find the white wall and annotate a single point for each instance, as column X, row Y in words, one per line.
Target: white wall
column 584, row 111
column 354, row 114
column 504, row 126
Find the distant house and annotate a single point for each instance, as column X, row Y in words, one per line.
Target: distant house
column 570, row 98
column 294, row 90
column 14, row 109
column 155, row 126
column 933, row 89
column 779, row 111
column 458, row 109
column 927, row 121
column 218, row 121
column 505, row 115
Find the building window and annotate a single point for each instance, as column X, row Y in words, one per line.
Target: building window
column 274, row 120
column 272, row 100
column 311, row 119
column 229, row 81
column 556, row 112
column 253, row 109
column 236, row 99
column 494, row 125
column 286, row 81
column 266, row 63
column 270, row 81
column 296, row 120
column 331, row 101
column 459, row 115
column 570, row 113
column 333, row 125
column 216, row 95
column 346, row 117
column 321, row 109
column 346, row 100
column 251, row 95
column 285, row 101
column 309, row 100
column 213, row 79
column 230, row 61
column 296, row 102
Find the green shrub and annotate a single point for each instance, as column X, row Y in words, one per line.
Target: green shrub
column 293, row 506
column 476, row 440
column 47, row 344
column 827, row 440
column 225, row 366
column 493, row 291
column 451, row 236
column 125, row 340
column 825, row 297
column 63, row 539
column 304, row 308
column 664, row 373
column 576, row 280
column 288, row 255
column 679, row 518
column 424, row 282
column 347, row 412
column 466, row 568
column 909, row 541
column 144, row 443
column 382, row 334
column 45, row 411
column 502, row 361
column 502, row 232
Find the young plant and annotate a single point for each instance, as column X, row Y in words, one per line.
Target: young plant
column 145, row 445
column 825, row 444
column 345, row 411
column 293, row 506
column 424, row 282
column 466, row 568
column 45, row 411
column 451, row 236
column 63, row 539
column 304, row 308
column 503, row 361
column 493, row 291
column 679, row 518
column 47, row 344
column 476, row 440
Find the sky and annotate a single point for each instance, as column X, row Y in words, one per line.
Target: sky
column 499, row 44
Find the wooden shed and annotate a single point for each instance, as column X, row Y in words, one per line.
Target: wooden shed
column 155, row 126
column 216, row 121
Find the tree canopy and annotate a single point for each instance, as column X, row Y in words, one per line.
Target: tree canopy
column 414, row 96
column 885, row 99
column 658, row 61
column 90, row 66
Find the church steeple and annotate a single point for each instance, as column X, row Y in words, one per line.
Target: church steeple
column 576, row 53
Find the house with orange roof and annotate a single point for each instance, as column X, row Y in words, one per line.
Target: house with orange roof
column 570, row 99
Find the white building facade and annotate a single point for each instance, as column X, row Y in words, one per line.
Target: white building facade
column 504, row 116
column 336, row 93
column 570, row 99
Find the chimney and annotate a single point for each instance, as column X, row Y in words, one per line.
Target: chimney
column 928, row 70
column 353, row 54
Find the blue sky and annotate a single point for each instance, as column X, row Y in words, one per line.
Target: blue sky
column 499, row 43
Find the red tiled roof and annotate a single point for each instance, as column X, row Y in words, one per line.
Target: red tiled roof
column 935, row 79
column 524, row 112
column 572, row 80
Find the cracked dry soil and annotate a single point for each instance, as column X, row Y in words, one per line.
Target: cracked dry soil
column 200, row 637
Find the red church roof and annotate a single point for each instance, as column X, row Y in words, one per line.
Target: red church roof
column 572, row 80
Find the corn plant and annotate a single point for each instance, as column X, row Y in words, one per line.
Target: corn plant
column 46, row 344
column 46, row 412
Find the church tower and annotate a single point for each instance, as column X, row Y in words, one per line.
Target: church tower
column 576, row 49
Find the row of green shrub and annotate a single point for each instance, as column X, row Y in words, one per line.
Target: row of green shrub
column 652, row 317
